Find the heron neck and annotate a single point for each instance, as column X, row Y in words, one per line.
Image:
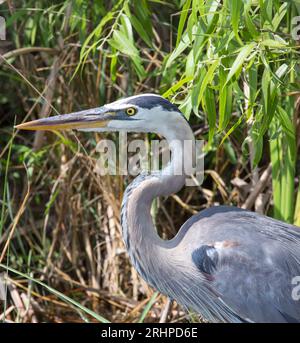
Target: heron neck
column 144, row 245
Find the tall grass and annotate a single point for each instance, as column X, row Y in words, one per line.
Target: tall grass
column 231, row 66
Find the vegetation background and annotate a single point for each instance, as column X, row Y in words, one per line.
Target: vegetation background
column 232, row 67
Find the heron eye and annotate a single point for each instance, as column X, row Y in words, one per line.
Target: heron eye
column 131, row 111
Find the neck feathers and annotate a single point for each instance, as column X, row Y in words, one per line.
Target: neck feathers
column 146, row 249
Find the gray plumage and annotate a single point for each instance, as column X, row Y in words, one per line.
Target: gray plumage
column 227, row 264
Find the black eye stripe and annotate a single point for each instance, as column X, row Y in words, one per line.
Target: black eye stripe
column 151, row 101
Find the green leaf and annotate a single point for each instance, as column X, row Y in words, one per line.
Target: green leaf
column 279, row 15
column 258, row 150
column 249, row 23
column 201, row 7
column 143, row 13
column 190, row 26
column 285, row 121
column 148, row 307
column 139, row 67
column 190, row 65
column 113, row 67
column 121, row 43
column 230, row 131
column 269, row 103
column 85, row 50
column 235, row 10
column 141, row 31
column 184, row 43
column 230, row 152
column 225, row 101
column 125, row 27
column 243, row 54
column 212, row 16
column 196, row 89
column 207, row 79
column 177, row 86
column 271, row 43
column 186, row 107
column 182, row 20
column 210, row 107
column 204, row 29
column 200, row 37
column 281, row 71
column 253, row 75
column 138, row 26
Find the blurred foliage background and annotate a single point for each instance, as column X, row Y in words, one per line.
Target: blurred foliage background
column 232, row 67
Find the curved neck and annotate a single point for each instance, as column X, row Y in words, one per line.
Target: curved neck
column 144, row 245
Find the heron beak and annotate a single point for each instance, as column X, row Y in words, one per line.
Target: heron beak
column 93, row 118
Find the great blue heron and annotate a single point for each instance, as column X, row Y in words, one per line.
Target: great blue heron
column 228, row 264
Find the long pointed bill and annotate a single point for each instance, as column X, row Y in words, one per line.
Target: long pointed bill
column 93, row 118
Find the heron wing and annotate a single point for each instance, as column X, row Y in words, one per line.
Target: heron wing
column 248, row 260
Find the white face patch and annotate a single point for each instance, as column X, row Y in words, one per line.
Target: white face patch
column 153, row 114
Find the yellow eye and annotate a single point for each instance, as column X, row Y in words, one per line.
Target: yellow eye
column 131, row 111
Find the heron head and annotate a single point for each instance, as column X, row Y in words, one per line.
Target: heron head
column 141, row 113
